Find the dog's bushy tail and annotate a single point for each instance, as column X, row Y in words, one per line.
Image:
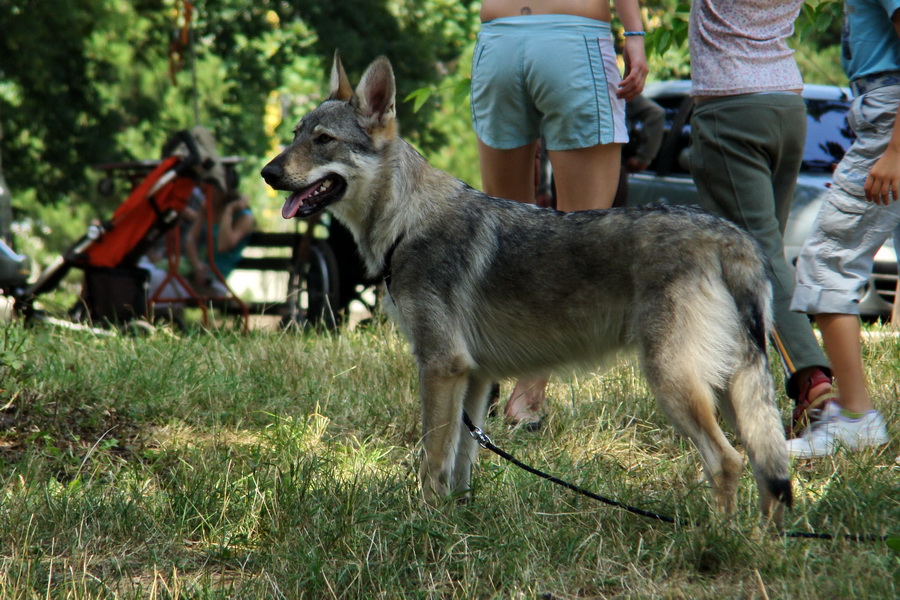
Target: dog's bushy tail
column 751, row 389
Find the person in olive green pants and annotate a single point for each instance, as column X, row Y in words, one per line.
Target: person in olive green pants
column 748, row 131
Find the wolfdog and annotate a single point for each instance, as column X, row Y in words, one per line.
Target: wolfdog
column 485, row 288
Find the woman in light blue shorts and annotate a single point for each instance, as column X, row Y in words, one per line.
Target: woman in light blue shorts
column 553, row 76
column 548, row 69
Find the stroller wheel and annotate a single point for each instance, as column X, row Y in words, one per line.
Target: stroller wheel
column 314, row 289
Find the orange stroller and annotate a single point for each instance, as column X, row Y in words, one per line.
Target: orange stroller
column 115, row 288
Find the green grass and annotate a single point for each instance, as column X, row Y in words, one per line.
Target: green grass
column 215, row 465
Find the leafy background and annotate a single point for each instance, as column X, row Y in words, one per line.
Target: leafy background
column 89, row 82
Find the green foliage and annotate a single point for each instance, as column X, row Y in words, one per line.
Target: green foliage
column 894, row 544
column 666, row 40
column 55, row 70
column 452, row 116
column 423, row 41
column 15, row 346
column 668, row 28
column 822, row 66
column 817, row 42
column 88, row 81
column 819, row 23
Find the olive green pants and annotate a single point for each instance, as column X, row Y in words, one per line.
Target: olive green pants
column 745, row 157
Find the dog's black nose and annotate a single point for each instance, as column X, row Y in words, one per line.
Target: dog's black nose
column 272, row 173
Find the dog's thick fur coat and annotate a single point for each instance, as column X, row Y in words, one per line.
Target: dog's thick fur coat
column 486, row 288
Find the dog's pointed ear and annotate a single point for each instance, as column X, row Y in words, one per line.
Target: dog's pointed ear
column 340, row 84
column 376, row 93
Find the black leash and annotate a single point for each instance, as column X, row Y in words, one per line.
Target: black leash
column 485, row 442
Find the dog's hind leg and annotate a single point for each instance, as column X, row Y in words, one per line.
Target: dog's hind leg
column 750, row 389
column 475, row 405
column 752, row 398
column 443, row 386
column 689, row 402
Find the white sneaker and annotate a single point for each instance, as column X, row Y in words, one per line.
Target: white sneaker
column 833, row 429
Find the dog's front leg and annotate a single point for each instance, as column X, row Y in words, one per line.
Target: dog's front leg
column 442, row 387
column 475, row 405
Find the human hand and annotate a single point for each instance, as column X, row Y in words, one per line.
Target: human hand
column 636, row 68
column 883, row 180
column 240, row 203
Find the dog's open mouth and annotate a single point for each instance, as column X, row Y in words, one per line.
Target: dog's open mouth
column 310, row 200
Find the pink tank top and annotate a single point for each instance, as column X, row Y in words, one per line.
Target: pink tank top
column 740, row 46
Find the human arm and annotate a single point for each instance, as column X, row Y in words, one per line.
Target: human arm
column 233, row 229
column 633, row 52
column 883, row 182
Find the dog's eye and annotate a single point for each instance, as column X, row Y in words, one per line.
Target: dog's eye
column 323, row 138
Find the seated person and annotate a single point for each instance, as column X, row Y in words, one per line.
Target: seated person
column 232, row 224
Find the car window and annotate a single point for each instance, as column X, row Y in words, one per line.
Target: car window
column 828, row 135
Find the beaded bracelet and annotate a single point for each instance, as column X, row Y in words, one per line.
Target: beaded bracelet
column 632, row 33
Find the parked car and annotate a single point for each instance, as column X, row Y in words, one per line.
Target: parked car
column 668, row 179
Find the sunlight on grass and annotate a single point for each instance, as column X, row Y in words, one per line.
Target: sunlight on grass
column 282, row 465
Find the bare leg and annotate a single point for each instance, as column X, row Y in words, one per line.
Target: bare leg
column 586, row 178
column 508, row 173
column 840, row 335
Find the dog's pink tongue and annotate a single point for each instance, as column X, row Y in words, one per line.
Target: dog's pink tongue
column 293, row 202
column 291, row 205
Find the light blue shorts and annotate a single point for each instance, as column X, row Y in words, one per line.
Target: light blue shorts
column 546, row 75
column 836, row 261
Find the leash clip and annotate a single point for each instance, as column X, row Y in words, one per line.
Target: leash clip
column 481, row 437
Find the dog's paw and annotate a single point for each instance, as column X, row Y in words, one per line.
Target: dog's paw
column 435, row 490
